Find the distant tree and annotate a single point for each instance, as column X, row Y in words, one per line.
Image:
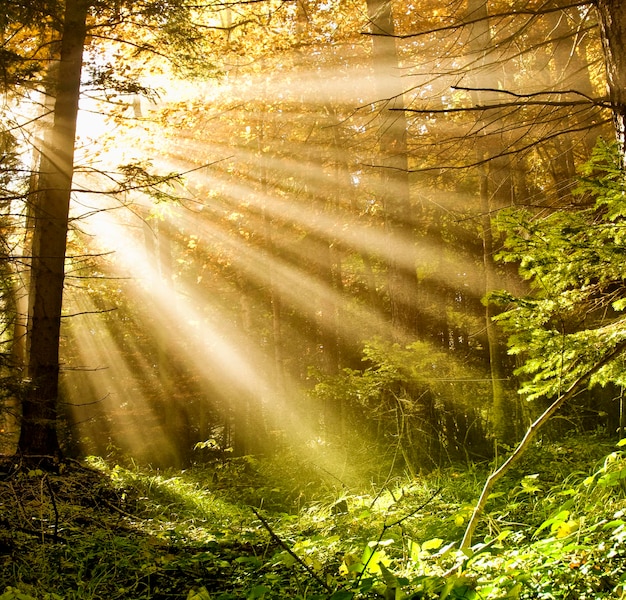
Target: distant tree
column 11, row 292
column 394, row 189
column 515, row 96
column 495, row 190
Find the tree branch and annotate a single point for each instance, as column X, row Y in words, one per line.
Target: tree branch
column 289, row 551
column 455, row 26
column 523, row 445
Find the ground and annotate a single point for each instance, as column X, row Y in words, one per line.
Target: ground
column 246, row 529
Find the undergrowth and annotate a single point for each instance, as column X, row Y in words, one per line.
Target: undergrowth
column 244, row 529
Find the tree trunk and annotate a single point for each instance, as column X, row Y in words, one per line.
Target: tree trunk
column 612, row 17
column 495, row 192
column 39, row 407
column 394, row 184
column 521, row 447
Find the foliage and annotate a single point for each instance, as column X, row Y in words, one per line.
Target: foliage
column 281, row 237
column 103, row 531
column 574, row 260
column 411, row 393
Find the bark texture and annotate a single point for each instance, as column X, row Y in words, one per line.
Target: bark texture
column 612, row 18
column 39, row 406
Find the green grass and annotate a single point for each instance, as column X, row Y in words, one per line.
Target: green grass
column 555, row 529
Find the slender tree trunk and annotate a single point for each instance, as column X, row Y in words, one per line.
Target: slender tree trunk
column 495, row 192
column 521, row 447
column 39, row 408
column 500, row 412
column 402, row 280
column 18, row 360
column 565, row 67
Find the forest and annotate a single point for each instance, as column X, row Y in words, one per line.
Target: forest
column 312, row 299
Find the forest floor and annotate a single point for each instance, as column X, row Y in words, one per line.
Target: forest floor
column 556, row 528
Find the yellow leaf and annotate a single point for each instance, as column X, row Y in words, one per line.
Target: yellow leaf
column 566, row 528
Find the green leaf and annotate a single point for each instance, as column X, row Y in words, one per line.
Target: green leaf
column 14, row 594
column 253, row 561
column 619, row 305
column 258, row 591
column 554, row 522
column 389, row 578
column 342, row 595
column 432, row 544
column 612, row 478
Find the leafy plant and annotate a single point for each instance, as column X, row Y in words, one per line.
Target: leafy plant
column 417, row 406
column 148, row 534
column 574, row 260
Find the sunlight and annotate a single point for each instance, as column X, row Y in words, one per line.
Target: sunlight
column 224, row 359
column 106, row 395
column 280, row 213
column 251, row 211
column 302, row 273
column 234, row 373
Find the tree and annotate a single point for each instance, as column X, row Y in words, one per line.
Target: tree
column 394, row 177
column 495, row 189
column 38, row 434
column 613, row 28
column 507, row 118
column 51, row 198
column 574, row 260
column 11, row 294
column 297, row 246
column 572, row 332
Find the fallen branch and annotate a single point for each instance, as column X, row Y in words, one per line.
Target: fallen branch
column 291, row 553
column 46, row 479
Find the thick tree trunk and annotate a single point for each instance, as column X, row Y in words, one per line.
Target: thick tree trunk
column 39, row 406
column 612, row 17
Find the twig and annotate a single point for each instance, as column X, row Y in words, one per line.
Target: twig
column 18, row 503
column 387, row 526
column 291, row 553
column 41, row 534
column 54, row 507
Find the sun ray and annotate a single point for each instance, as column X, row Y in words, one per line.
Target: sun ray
column 273, row 250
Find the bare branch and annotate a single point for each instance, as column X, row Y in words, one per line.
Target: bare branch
column 464, row 23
